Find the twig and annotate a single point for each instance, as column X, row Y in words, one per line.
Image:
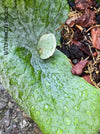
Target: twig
column 92, row 27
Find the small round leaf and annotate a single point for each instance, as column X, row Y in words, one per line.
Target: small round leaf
column 46, row 46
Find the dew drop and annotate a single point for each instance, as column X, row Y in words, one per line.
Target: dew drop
column 37, row 113
column 66, row 109
column 43, row 76
column 67, row 120
column 75, row 121
column 88, row 113
column 49, row 121
column 76, row 108
column 47, row 84
column 46, row 107
column 85, row 94
column 95, row 92
column 94, row 107
column 59, row 131
column 32, row 108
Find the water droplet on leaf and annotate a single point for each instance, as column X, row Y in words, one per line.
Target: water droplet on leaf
column 46, row 107
column 75, row 120
column 67, row 120
column 66, row 109
column 37, row 113
column 49, row 121
column 32, row 108
column 88, row 113
column 59, row 131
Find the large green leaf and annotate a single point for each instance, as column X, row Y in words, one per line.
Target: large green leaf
column 57, row 101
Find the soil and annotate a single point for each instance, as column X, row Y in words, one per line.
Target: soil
column 12, row 119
